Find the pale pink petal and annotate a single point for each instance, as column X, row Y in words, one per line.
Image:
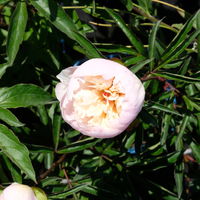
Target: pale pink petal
column 65, row 74
column 60, row 90
column 126, row 91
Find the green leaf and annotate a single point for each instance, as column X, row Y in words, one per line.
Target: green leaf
column 165, row 128
column 174, row 157
column 16, row 151
column 152, row 43
column 8, row 117
column 39, row 193
column 39, row 149
column 56, row 130
column 48, row 160
column 133, row 60
column 16, row 30
column 130, row 141
column 184, row 67
column 196, row 151
column 140, row 65
column 198, row 38
column 178, row 174
column 181, row 132
column 163, row 108
column 176, row 77
column 3, row 68
column 23, row 95
column 16, row 175
column 180, row 48
column 68, row 192
column 191, row 90
column 79, row 146
column 130, row 35
column 58, row 17
column 145, row 5
column 4, row 1
column 43, row 114
column 91, row 190
column 128, row 4
column 191, row 105
column 116, row 49
column 173, row 65
column 180, row 37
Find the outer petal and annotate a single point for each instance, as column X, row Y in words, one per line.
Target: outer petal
column 64, row 77
column 65, row 74
column 60, row 90
column 18, row 192
column 132, row 102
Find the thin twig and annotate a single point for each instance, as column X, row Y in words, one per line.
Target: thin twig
column 55, row 164
column 69, row 183
column 67, row 178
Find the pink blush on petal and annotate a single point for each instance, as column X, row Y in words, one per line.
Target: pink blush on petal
column 101, row 98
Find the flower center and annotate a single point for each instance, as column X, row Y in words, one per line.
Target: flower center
column 97, row 101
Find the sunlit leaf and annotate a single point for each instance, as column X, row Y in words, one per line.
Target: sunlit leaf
column 16, row 30
column 8, row 117
column 16, row 151
column 23, row 95
column 79, row 146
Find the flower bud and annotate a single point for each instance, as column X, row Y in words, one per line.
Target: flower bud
column 17, row 191
column 99, row 98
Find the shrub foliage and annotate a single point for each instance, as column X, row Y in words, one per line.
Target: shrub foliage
column 158, row 156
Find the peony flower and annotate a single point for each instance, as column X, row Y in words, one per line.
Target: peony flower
column 17, row 191
column 99, row 98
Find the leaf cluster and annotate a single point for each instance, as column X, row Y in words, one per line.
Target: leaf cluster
column 157, row 157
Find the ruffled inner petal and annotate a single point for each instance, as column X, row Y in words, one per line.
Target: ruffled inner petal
column 97, row 100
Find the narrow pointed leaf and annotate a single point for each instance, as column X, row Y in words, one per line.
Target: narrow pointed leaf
column 184, row 67
column 16, row 30
column 58, row 17
column 3, row 68
column 133, row 60
column 69, row 192
column 130, row 35
column 174, row 54
column 140, row 65
column 180, row 37
column 56, row 130
column 116, row 49
column 79, row 146
column 165, row 128
column 196, row 151
column 163, row 108
column 177, row 77
column 179, row 140
column 15, row 172
column 198, row 38
column 8, row 117
column 179, row 178
column 152, row 43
